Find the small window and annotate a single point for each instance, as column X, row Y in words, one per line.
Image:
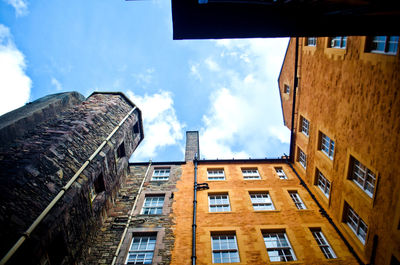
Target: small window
column 278, row 246
column 281, row 174
column 305, row 126
column 383, row 44
column 338, row 42
column 323, row 183
column 357, row 225
column 302, row 158
column 97, row 187
column 323, row 243
column 311, row 41
column 224, row 248
column 142, row 249
column 136, row 129
column 363, row 177
column 215, row 174
column 219, row 203
column 327, row 146
column 160, row 174
column 153, row 204
column 250, row 173
column 261, row 201
column 121, row 151
column 297, row 200
column 286, row 89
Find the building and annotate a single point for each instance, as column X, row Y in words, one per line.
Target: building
column 343, row 114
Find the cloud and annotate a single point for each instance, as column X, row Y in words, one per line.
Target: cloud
column 144, row 78
column 211, row 64
column 14, row 83
column 20, row 6
column 161, row 125
column 56, row 84
column 245, row 117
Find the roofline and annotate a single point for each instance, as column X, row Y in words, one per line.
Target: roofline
column 157, row 163
column 249, row 161
column 279, row 77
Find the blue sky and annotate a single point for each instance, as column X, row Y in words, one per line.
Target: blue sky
column 226, row 89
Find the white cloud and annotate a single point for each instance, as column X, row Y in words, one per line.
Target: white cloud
column 144, row 78
column 14, row 83
column 161, row 125
column 245, row 117
column 20, row 6
column 211, row 64
column 56, row 84
column 194, row 70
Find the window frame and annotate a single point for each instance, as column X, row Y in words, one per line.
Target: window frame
column 305, row 126
column 159, row 210
column 386, row 46
column 302, row 158
column 160, row 177
column 298, row 202
column 260, row 200
column 251, row 175
column 215, row 176
column 355, row 223
column 121, row 152
column 323, row 243
column 327, row 143
column 283, row 245
column 342, row 40
column 142, row 235
column 326, row 189
column 311, row 41
column 286, row 89
column 227, row 243
column 362, row 180
column 218, row 205
column 281, row 173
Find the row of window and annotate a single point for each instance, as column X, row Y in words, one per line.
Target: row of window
column 374, row 44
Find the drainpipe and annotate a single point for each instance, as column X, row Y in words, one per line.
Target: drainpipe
column 130, row 217
column 64, row 189
column 325, row 214
column 295, row 84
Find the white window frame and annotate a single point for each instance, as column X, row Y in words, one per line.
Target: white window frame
column 160, row 174
column 154, row 203
column 305, row 126
column 215, row 174
column 217, row 202
column 302, row 158
column 281, row 174
column 262, row 201
column 311, row 41
column 327, row 146
column 148, row 250
column 286, row 89
column 387, row 40
column 338, row 42
column 363, row 177
column 323, row 184
column 279, row 243
column 323, row 244
column 297, row 200
column 226, row 244
column 356, row 224
column 250, row 173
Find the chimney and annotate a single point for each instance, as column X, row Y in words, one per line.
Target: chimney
column 192, row 145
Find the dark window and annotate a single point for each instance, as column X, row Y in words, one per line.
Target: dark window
column 136, row 128
column 57, row 250
column 99, row 184
column 121, row 150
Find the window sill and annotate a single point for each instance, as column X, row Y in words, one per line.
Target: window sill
column 267, row 211
column 335, row 53
column 220, row 212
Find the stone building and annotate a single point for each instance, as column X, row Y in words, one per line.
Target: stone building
column 343, row 110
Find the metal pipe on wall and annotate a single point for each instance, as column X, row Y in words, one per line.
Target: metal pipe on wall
column 194, row 211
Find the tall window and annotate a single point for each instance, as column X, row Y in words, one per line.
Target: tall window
column 160, row 174
column 249, row 173
column 286, row 89
column 121, row 151
column 97, row 187
column 323, row 183
column 297, row 200
column 383, row 44
column 219, row 203
column 153, row 204
column 215, row 174
column 311, row 41
column 363, row 177
column 357, row 225
column 338, row 42
column 323, row 243
column 278, row 247
column 142, row 249
column 281, row 174
column 327, row 145
column 261, row 201
column 224, row 248
column 302, row 158
column 305, row 126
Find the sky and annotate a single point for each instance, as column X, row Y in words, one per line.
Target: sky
column 225, row 89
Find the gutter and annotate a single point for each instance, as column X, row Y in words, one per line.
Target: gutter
column 64, row 189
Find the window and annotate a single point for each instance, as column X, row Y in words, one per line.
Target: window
column 261, row 201
column 297, row 200
column 363, row 177
column 160, row 174
column 278, row 247
column 327, row 145
column 302, row 158
column 357, row 225
column 323, row 183
column 250, row 173
column 383, row 44
column 286, row 89
column 305, row 126
column 121, row 151
column 323, row 243
column 281, row 173
column 224, row 249
column 311, row 41
column 135, row 129
column 338, row 42
column 97, row 187
column 142, row 249
column 153, row 204
column 215, row 174
column 219, row 203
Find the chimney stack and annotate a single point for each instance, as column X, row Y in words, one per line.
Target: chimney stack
column 192, row 145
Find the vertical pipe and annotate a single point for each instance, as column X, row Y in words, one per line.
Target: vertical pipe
column 194, row 211
column 295, row 83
